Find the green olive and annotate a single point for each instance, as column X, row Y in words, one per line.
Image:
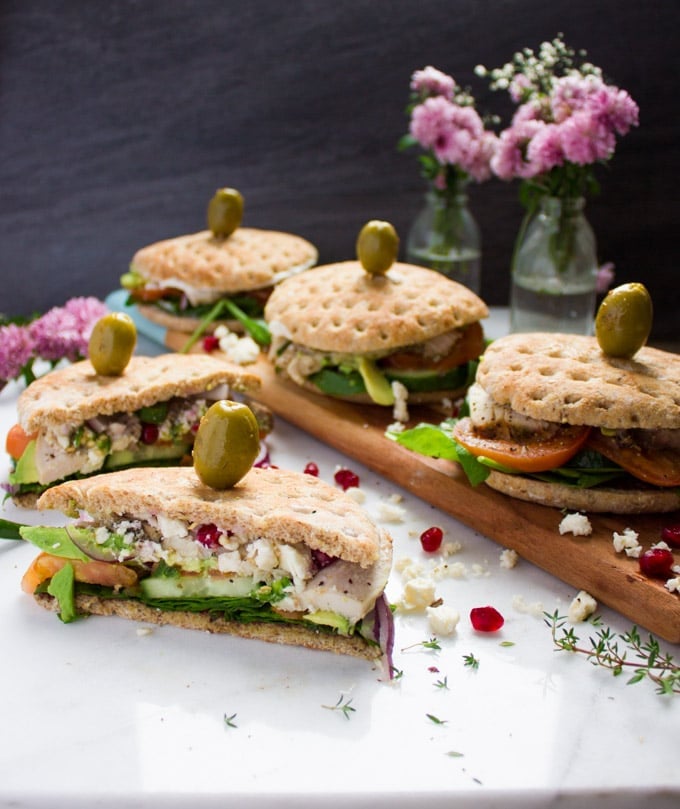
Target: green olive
column 225, row 212
column 111, row 344
column 624, row 320
column 377, row 246
column 226, row 445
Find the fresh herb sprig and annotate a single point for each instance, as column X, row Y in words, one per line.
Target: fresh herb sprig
column 344, row 705
column 618, row 652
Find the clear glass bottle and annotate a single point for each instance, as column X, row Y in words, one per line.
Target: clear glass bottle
column 445, row 237
column 554, row 270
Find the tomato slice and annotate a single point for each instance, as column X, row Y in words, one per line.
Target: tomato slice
column 108, row 574
column 144, row 295
column 17, row 440
column 469, row 347
column 530, row 455
column 660, row 466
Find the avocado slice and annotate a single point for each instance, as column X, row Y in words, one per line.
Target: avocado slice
column 377, row 386
column 25, row 470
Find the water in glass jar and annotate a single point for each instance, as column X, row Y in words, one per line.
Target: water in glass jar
column 463, row 265
column 571, row 311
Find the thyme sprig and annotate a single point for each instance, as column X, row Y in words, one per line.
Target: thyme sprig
column 470, row 661
column 344, row 705
column 432, row 644
column 618, row 652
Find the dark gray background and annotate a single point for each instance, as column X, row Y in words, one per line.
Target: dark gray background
column 119, row 119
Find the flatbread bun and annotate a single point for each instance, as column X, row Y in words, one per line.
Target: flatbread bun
column 599, row 499
column 285, row 506
column 250, row 258
column 289, row 634
column 340, row 307
column 75, row 393
column 566, row 378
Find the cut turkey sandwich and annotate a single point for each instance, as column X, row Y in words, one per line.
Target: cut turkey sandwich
column 73, row 422
column 281, row 556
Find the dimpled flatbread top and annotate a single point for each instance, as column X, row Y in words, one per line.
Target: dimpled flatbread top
column 74, row 393
column 340, row 307
column 248, row 259
column 566, row 378
column 288, row 507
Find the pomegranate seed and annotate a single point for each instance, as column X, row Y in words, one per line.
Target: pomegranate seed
column 322, row 559
column 486, row 619
column 312, row 469
column 346, row 479
column 210, row 343
column 671, row 535
column 149, row 433
column 208, row 535
column 433, row 669
column 431, row 539
column 657, row 563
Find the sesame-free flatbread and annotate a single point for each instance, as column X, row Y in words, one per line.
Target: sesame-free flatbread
column 566, row 378
column 342, row 308
column 284, row 506
column 248, row 259
column 72, row 394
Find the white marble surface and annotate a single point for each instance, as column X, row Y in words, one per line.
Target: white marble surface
column 97, row 713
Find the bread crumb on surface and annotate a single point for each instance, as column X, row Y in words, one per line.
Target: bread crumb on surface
column 357, row 494
column 581, row 608
column 577, row 524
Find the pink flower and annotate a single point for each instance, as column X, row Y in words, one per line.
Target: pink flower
column 509, row 160
column 545, row 150
column 585, row 139
column 605, row 278
column 454, row 134
column 64, row 331
column 432, row 82
column 16, row 349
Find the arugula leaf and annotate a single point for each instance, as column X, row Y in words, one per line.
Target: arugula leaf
column 10, row 530
column 257, row 329
column 197, row 333
column 61, row 586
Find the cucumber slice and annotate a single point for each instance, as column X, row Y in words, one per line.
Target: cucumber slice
column 177, row 587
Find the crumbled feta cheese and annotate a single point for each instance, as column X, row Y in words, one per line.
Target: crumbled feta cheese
column 263, row 554
column 295, row 562
column 664, row 546
column 576, row 524
column 479, row 570
column 143, row 631
column 442, row 620
column 508, row 558
column 583, row 606
column 450, row 549
column 240, row 350
column 458, row 570
column 357, row 494
column 171, row 528
column 418, row 593
column 101, row 534
column 400, row 409
column 673, row 585
column 396, row 427
column 534, row 608
column 628, row 542
column 391, row 512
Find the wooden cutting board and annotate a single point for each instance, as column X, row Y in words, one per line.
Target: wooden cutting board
column 588, row 563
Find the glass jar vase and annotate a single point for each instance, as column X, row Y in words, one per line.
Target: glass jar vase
column 554, row 270
column 445, row 237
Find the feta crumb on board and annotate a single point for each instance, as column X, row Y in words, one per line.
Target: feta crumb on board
column 581, row 608
column 357, row 494
column 400, row 410
column 673, row 585
column 442, row 620
column 628, row 542
column 577, row 524
column 239, row 350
